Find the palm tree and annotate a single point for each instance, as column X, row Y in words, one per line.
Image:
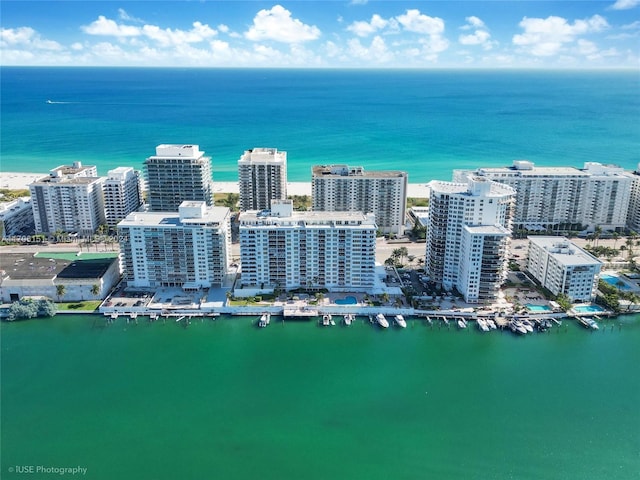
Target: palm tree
column 596, row 235
column 95, row 289
column 60, row 291
column 615, row 237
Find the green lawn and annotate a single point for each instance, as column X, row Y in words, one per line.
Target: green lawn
column 84, row 305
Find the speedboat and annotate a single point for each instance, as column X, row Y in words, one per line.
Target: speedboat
column 517, row 327
column 482, row 324
column 527, row 324
column 348, row 318
column 491, row 324
column 462, row 323
column 589, row 322
column 264, row 320
column 326, row 320
column 382, row 321
column 400, row 321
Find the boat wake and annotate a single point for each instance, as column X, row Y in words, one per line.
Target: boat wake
column 57, row 103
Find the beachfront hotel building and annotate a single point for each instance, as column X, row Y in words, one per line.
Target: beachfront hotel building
column 177, row 173
column 283, row 249
column 341, row 188
column 633, row 215
column 190, row 248
column 69, row 200
column 563, row 268
column 563, row 198
column 262, row 177
column 122, row 194
column 16, row 218
column 468, row 237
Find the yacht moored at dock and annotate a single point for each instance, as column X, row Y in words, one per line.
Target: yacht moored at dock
column 588, row 322
column 327, row 320
column 462, row 323
column 400, row 321
column 482, row 325
column 348, row 319
column 264, row 320
column 382, row 321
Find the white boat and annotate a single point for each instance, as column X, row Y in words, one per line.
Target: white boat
column 348, row 318
column 517, row 327
column 462, row 323
column 264, row 320
column 527, row 324
column 482, row 325
column 491, row 324
column 382, row 321
column 327, row 320
column 589, row 323
column 401, row 321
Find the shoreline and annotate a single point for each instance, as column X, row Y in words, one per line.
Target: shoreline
column 21, row 181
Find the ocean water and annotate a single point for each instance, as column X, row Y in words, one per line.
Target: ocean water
column 224, row 399
column 424, row 122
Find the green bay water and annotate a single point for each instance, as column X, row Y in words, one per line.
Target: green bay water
column 224, row 399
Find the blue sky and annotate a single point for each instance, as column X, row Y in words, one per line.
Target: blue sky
column 318, row 34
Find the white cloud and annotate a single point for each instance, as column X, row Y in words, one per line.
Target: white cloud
column 625, row 4
column 223, row 28
column 363, row 28
column 199, row 33
column 586, row 47
column 110, row 28
column 28, row 38
column 414, row 21
column 277, row 24
column 631, row 26
column 480, row 36
column 546, row 36
column 473, row 22
column 123, row 15
column 377, row 52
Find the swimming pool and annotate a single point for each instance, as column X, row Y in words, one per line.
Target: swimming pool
column 613, row 281
column 588, row 309
column 346, row 301
column 538, row 308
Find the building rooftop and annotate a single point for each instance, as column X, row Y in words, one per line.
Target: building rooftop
column 475, row 185
column 345, row 171
column 564, row 251
column 21, row 266
column 487, row 230
column 265, row 217
column 211, row 215
column 258, row 155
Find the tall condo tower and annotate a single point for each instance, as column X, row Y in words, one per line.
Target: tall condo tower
column 177, row 173
column 68, row 200
column 122, row 194
column 468, row 236
column 262, row 177
column 340, row 188
column 633, row 215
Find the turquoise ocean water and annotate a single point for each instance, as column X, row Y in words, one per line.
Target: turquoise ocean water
column 224, row 399
column 424, row 122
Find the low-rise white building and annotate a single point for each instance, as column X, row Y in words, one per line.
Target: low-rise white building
column 190, row 248
column 284, row 249
column 563, row 268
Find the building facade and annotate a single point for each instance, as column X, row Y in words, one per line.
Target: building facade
column 16, row 218
column 633, row 214
column 563, row 268
column 177, row 173
column 563, row 198
column 284, row 249
column 468, row 236
column 262, row 177
column 69, row 200
column 122, row 194
column 190, row 248
column 340, row 188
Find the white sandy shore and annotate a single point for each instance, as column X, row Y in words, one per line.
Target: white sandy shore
column 20, row 180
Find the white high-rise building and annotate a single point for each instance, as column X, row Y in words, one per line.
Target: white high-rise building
column 262, row 177
column 468, row 236
column 281, row 248
column 69, row 200
column 633, row 214
column 563, row 198
column 16, row 218
column 122, row 194
column 178, row 173
column 563, row 268
column 189, row 249
column 340, row 188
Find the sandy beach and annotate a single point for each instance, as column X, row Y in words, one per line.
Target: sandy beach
column 21, row 180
